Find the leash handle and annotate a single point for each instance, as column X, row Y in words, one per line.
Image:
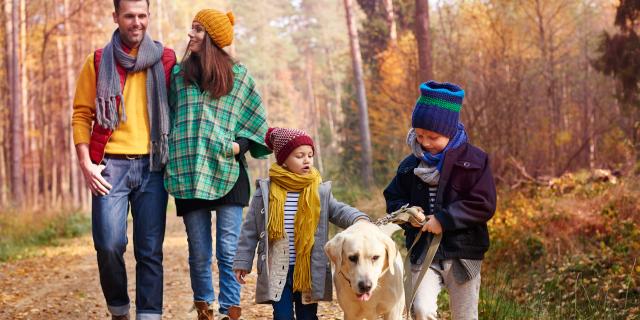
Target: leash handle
column 400, row 216
column 404, row 215
column 409, row 290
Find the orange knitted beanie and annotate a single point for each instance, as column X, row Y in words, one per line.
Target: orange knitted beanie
column 218, row 25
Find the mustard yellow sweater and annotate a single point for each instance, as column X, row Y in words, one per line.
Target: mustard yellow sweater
column 132, row 136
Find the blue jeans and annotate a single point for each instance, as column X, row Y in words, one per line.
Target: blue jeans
column 198, row 226
column 143, row 191
column 283, row 309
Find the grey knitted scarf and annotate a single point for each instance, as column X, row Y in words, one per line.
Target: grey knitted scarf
column 108, row 89
column 430, row 175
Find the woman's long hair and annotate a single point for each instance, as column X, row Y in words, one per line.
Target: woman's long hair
column 211, row 68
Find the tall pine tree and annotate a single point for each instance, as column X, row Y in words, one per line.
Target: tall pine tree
column 620, row 52
column 620, row 58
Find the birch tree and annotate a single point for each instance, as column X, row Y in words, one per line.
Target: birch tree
column 356, row 58
column 17, row 172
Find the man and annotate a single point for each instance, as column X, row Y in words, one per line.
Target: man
column 120, row 127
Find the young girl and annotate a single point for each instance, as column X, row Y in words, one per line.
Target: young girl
column 451, row 180
column 217, row 117
column 288, row 222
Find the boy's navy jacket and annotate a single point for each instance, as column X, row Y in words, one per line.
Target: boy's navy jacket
column 465, row 201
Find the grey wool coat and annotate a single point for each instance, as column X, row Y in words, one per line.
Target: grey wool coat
column 273, row 258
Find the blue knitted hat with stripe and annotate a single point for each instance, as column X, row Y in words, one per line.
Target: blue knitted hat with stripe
column 438, row 108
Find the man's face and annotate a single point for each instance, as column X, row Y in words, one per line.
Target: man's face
column 132, row 19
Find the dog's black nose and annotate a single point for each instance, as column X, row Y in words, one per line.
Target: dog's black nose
column 364, row 286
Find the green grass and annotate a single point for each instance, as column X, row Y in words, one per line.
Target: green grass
column 20, row 233
column 552, row 299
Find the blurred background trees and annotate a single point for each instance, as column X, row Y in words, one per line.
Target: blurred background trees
column 546, row 91
column 619, row 56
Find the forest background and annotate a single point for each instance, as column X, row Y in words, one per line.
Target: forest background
column 551, row 94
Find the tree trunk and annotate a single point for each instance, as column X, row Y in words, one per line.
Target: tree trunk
column 4, row 185
column 4, row 179
column 356, row 58
column 391, row 22
column 313, row 108
column 5, row 146
column 17, row 173
column 545, row 39
column 587, row 101
column 157, row 18
column 333, row 108
column 423, row 39
column 74, row 172
column 31, row 140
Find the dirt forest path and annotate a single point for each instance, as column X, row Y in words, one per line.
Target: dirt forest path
column 62, row 282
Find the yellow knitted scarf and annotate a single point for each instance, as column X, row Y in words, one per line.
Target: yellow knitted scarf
column 306, row 219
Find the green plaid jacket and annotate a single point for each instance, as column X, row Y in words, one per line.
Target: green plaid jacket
column 201, row 160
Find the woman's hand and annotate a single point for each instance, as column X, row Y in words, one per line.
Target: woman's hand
column 240, row 274
column 236, row 148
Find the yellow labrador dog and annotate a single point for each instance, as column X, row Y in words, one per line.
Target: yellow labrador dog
column 368, row 273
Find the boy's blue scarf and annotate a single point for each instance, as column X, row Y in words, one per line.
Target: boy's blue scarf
column 435, row 160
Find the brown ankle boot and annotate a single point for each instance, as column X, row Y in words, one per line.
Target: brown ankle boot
column 234, row 312
column 123, row 317
column 204, row 310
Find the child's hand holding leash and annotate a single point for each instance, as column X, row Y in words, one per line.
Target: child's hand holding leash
column 432, row 225
column 428, row 223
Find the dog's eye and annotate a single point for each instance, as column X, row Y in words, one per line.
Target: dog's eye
column 353, row 258
column 375, row 258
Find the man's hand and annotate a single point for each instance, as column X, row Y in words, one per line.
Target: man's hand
column 92, row 173
column 240, row 274
column 432, row 225
column 94, row 179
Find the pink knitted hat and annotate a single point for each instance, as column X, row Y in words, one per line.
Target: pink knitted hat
column 284, row 140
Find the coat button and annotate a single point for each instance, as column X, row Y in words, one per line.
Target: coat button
column 419, row 186
column 466, row 164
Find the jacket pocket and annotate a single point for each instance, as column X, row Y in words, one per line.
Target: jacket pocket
column 464, row 175
column 261, row 264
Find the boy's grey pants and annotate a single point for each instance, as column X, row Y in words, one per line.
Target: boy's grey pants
column 463, row 298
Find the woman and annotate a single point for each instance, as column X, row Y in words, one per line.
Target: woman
column 217, row 116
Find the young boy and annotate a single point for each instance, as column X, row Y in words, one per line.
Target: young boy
column 451, row 180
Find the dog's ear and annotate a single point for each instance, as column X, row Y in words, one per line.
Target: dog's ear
column 391, row 250
column 333, row 249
